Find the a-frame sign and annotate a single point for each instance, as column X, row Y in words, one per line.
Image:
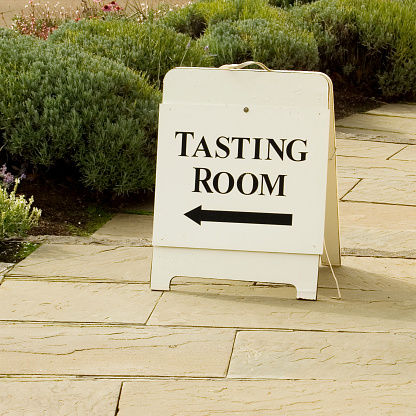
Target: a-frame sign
column 246, row 182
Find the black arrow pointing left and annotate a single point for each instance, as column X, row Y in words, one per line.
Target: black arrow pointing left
column 198, row 215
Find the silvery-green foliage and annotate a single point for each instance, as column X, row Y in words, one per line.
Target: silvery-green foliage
column 367, row 42
column 59, row 103
column 150, row 47
column 276, row 44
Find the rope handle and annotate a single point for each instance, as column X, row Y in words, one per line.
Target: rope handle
column 244, row 64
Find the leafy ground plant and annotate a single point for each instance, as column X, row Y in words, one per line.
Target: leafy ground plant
column 17, row 214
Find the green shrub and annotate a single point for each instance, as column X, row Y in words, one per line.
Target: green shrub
column 367, row 42
column 275, row 44
column 61, row 107
column 17, row 216
column 152, row 48
column 7, row 33
column 226, row 44
column 190, row 20
column 195, row 18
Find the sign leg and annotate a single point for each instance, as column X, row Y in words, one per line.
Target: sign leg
column 332, row 238
column 306, row 293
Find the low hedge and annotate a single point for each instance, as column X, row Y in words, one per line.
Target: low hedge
column 275, row 44
column 196, row 17
column 367, row 42
column 150, row 47
column 62, row 107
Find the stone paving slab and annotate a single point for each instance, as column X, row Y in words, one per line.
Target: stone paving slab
column 386, row 191
column 56, row 398
column 364, row 241
column 368, row 149
column 266, row 397
column 372, row 274
column 41, row 349
column 323, row 355
column 408, row 153
column 396, row 110
column 371, row 301
column 379, row 123
column 98, row 263
column 76, row 302
column 127, row 226
column 366, row 168
column 381, row 216
column 378, row 229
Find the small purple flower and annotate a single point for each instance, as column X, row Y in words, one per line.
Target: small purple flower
column 8, row 178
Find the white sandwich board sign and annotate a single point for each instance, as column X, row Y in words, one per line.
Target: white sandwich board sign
column 241, row 182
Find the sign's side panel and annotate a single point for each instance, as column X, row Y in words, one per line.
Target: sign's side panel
column 241, row 178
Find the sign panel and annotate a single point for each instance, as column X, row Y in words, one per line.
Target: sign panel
column 245, row 158
column 241, row 178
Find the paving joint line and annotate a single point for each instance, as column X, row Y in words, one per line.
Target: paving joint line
column 125, row 377
column 379, row 203
column 67, row 279
column 157, row 303
column 372, row 129
column 354, row 186
column 231, row 353
column 394, row 154
column 117, row 409
column 188, row 327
